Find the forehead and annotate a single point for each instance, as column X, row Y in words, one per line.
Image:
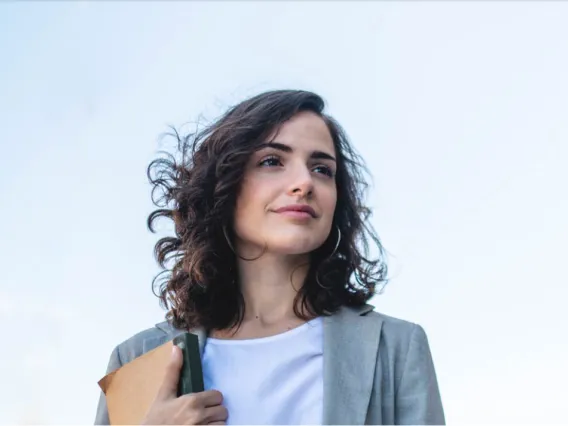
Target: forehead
column 306, row 130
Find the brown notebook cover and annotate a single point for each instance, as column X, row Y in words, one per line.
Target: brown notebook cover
column 131, row 389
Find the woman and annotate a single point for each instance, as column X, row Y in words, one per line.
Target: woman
column 269, row 267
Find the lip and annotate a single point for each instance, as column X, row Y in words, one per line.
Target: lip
column 297, row 210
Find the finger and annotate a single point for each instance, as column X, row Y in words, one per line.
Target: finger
column 217, row 423
column 218, row 413
column 208, row 398
column 169, row 386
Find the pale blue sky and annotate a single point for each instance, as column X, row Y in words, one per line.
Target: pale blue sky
column 459, row 108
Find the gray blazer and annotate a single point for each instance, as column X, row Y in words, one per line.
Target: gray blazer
column 377, row 369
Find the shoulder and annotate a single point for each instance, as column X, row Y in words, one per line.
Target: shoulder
column 143, row 341
column 399, row 330
column 396, row 328
column 402, row 344
column 397, row 336
column 389, row 327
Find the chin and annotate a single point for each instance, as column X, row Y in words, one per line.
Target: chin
column 295, row 244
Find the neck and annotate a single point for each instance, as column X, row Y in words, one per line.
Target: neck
column 270, row 284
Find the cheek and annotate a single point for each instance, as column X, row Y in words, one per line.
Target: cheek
column 329, row 201
column 250, row 205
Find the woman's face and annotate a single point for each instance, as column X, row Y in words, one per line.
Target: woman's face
column 288, row 196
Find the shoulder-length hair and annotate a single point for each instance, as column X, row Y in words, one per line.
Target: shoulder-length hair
column 198, row 189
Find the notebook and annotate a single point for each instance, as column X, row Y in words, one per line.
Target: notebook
column 131, row 389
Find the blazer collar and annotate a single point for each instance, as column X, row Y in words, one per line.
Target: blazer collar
column 350, row 350
column 171, row 332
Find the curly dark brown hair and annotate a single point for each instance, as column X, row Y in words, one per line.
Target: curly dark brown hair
column 198, row 188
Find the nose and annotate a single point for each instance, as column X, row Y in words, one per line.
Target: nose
column 302, row 184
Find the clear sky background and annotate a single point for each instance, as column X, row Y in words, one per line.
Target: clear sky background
column 459, row 108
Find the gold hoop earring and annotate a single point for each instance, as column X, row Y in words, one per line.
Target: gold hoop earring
column 337, row 243
column 329, row 257
column 235, row 252
column 228, row 240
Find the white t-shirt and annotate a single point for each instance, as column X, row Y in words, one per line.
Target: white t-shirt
column 270, row 380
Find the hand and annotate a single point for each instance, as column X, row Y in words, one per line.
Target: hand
column 193, row 409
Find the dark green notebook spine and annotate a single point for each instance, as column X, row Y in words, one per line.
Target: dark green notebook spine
column 191, row 375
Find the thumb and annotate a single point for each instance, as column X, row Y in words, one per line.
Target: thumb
column 169, row 386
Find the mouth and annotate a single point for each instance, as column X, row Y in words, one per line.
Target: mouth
column 297, row 211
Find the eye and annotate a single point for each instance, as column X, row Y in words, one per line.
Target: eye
column 324, row 170
column 271, row 161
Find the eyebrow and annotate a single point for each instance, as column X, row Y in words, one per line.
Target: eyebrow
column 318, row 155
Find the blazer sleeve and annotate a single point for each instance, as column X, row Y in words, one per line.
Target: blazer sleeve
column 418, row 400
column 101, row 417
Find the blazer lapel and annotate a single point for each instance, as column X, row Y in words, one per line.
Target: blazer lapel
column 351, row 342
column 170, row 332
